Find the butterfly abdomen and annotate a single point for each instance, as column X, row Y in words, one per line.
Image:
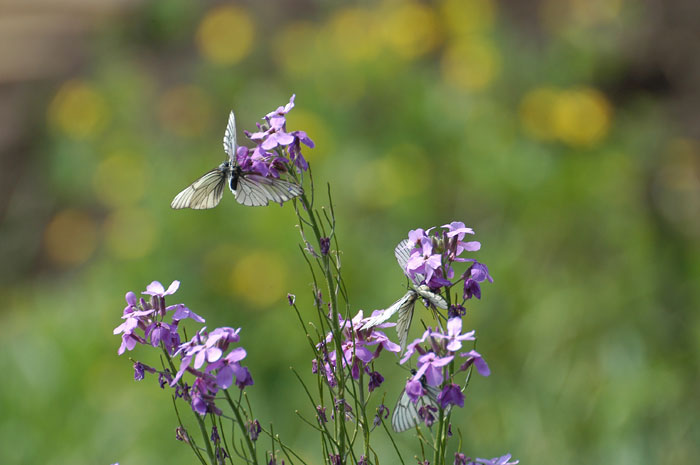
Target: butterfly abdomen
column 235, row 174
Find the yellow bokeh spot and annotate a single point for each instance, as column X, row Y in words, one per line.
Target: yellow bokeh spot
column 409, row 29
column 537, row 113
column 225, row 35
column 467, row 16
column 130, row 233
column 71, row 237
column 78, row 110
column 294, row 48
column 352, row 34
column 582, row 117
column 120, row 180
column 577, row 117
column 260, row 278
column 185, row 110
column 471, row 63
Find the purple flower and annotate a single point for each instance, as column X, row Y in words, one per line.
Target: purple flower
column 243, row 378
column 475, row 274
column 454, row 335
column 375, row 380
column 457, row 228
column 157, row 289
column 276, row 138
column 182, row 312
column 460, row 459
column 474, row 357
column 363, row 460
column 416, row 236
column 295, row 155
column 427, row 414
column 228, row 367
column 132, row 302
column 161, row 332
column 222, row 337
column 140, row 369
column 415, row 346
column 291, row 298
column 471, row 289
column 424, row 261
column 383, row 341
column 203, row 397
column 503, row 460
column 431, row 365
column 274, row 117
column 414, row 389
column 451, row 395
column 129, row 338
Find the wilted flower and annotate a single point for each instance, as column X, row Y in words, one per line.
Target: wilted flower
column 382, row 414
column 254, row 429
column 321, row 414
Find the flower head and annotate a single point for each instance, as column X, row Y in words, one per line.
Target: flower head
column 454, row 335
column 451, row 394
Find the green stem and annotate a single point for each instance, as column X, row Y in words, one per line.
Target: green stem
column 200, row 421
column 335, row 324
column 242, row 426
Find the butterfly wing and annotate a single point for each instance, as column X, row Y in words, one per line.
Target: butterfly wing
column 405, row 414
column 205, row 192
column 403, row 255
column 230, row 137
column 403, row 323
column 254, row 190
column 407, row 300
column 435, row 299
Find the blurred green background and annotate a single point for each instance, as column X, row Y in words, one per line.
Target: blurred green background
column 563, row 131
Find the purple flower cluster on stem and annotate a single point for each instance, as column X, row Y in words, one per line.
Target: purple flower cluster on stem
column 204, row 356
column 359, row 349
column 433, row 252
column 433, row 363
column 276, row 149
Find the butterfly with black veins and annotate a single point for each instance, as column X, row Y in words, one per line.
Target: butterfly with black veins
column 406, row 413
column 249, row 188
column 406, row 305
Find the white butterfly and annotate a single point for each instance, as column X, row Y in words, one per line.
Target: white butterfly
column 406, row 415
column 405, row 306
column 251, row 189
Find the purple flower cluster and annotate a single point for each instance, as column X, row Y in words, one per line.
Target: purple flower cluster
column 433, row 360
column 433, row 252
column 204, row 356
column 356, row 353
column 275, row 149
